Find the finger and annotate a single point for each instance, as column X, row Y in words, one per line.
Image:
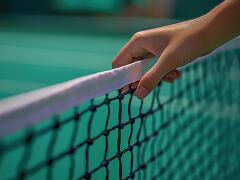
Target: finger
column 172, row 76
column 131, row 52
column 168, row 80
column 151, row 79
column 125, row 89
column 132, row 86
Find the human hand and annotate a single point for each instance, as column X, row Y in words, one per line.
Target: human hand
column 175, row 45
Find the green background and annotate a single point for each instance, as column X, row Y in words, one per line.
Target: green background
column 200, row 142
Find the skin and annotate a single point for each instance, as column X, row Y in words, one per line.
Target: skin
column 179, row 44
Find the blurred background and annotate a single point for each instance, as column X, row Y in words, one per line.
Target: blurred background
column 148, row 8
column 44, row 42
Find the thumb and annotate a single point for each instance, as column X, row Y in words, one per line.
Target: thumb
column 151, row 79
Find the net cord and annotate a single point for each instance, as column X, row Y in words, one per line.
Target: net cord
column 27, row 109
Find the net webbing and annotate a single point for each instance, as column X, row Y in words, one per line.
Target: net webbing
column 186, row 130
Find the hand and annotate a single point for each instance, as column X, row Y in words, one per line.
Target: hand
column 179, row 44
column 175, row 45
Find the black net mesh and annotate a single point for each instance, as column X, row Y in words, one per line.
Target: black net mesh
column 185, row 130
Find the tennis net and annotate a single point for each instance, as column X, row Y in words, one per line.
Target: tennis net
column 86, row 129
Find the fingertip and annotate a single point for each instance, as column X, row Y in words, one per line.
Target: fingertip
column 172, row 76
column 134, row 85
column 146, row 84
column 125, row 89
column 119, row 62
column 177, row 73
column 115, row 64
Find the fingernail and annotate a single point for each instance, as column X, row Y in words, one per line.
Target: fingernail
column 176, row 73
column 141, row 92
column 125, row 89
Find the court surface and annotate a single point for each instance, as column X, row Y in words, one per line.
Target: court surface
column 41, row 51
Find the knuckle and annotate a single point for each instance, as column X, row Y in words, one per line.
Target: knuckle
column 138, row 36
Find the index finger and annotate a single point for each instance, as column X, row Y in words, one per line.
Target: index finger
column 131, row 52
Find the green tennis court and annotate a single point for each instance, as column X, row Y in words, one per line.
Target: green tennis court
column 40, row 51
column 186, row 130
column 32, row 58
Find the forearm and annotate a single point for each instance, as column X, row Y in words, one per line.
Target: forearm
column 222, row 23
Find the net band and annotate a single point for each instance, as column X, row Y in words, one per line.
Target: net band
column 27, row 109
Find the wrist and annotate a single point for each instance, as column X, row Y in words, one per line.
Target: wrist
column 220, row 25
column 200, row 31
